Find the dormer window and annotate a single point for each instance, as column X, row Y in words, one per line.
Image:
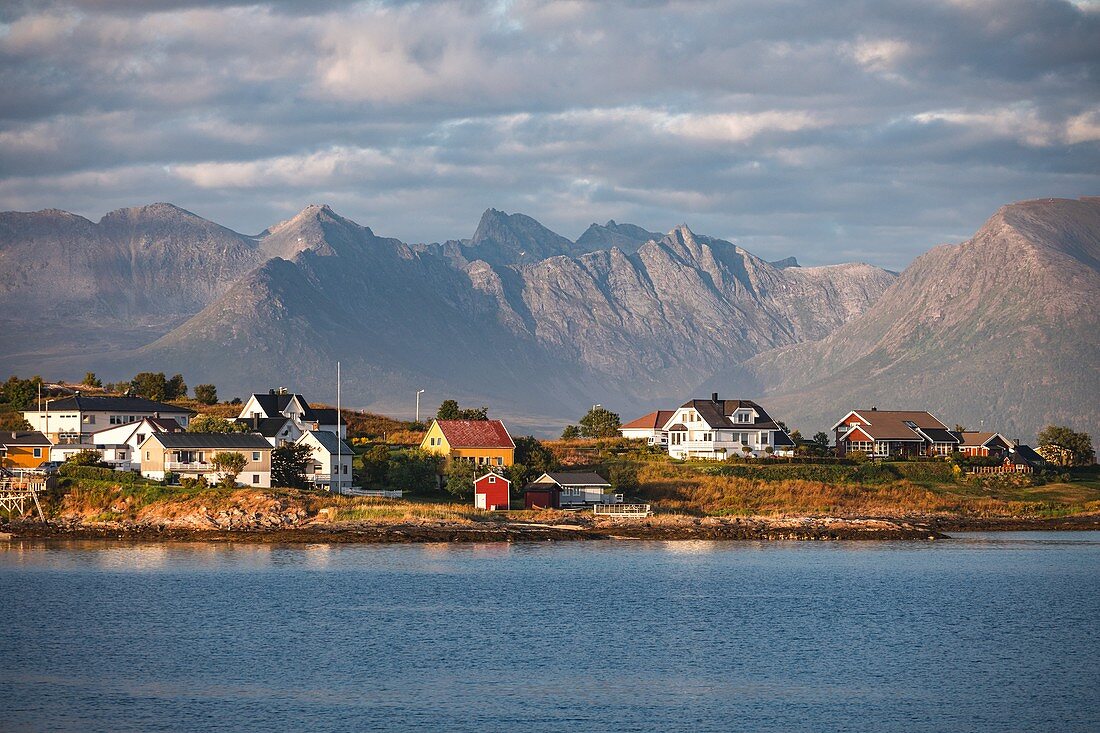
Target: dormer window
column 743, row 416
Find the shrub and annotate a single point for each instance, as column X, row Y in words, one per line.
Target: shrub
column 170, row 477
column 98, row 473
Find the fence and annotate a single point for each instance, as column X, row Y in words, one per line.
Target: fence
column 622, row 510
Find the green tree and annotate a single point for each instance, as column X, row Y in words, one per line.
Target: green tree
column 175, row 388
column 571, row 432
column 533, row 454
column 207, row 394
column 13, row 421
column 623, row 477
column 413, row 470
column 376, row 462
column 450, row 410
column 228, row 465
column 150, row 385
column 1062, row 445
column 821, row 442
column 288, row 465
column 520, row 475
column 600, row 423
column 87, row 458
column 91, row 380
column 459, row 477
column 21, row 394
column 214, row 424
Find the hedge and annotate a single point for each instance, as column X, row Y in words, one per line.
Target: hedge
column 69, row 470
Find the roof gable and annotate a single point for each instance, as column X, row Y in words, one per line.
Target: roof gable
column 653, row 421
column 573, row 478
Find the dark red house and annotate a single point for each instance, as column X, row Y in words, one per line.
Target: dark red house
column 491, row 492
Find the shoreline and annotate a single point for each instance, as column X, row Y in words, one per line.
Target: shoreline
column 710, row 528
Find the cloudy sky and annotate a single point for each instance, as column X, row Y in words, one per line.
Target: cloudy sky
column 835, row 130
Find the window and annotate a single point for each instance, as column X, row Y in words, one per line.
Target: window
column 865, row 446
column 255, row 456
column 344, row 469
column 763, row 438
column 146, row 455
column 89, row 419
column 882, row 448
column 255, row 478
column 500, row 461
column 492, row 479
column 37, row 452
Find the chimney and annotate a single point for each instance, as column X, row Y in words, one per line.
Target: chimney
column 874, row 408
column 1016, row 441
column 714, row 397
column 255, row 421
column 271, row 391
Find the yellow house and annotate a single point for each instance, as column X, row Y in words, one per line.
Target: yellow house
column 23, row 449
column 484, row 442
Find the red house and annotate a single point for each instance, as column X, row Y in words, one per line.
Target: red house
column 491, row 492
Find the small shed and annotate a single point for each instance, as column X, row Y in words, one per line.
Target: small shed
column 542, row 496
column 491, row 492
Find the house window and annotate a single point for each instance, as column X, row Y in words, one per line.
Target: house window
column 255, row 456
column 89, row 420
column 744, row 417
column 492, row 479
column 37, row 452
column 344, row 469
column 255, row 478
column 146, row 455
column 763, row 438
column 882, row 448
column 865, row 446
column 500, row 461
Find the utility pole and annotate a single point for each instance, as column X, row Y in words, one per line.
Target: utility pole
column 419, row 392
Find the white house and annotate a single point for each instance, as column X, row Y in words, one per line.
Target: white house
column 280, row 403
column 72, row 420
column 650, row 428
column 118, row 445
column 330, row 466
column 717, row 429
column 276, row 430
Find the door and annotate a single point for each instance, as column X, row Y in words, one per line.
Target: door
column 479, row 501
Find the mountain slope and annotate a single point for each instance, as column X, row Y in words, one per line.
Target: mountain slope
column 1003, row 328
column 626, row 237
column 111, row 282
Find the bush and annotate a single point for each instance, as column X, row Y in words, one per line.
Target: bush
column 96, row 473
column 87, row 458
column 170, row 477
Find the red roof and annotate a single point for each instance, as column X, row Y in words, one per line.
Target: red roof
column 652, row 421
column 476, row 433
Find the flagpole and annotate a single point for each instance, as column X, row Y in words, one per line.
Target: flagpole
column 339, row 440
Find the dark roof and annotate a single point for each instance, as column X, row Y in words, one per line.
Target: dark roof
column 116, row 404
column 941, row 435
column 24, row 437
column 652, row 421
column 716, row 414
column 574, row 478
column 321, row 415
column 476, row 433
column 782, row 438
column 227, row 441
column 268, row 427
column 1028, row 455
column 165, row 424
column 330, row 442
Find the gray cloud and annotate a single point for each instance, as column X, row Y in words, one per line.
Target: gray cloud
column 842, row 130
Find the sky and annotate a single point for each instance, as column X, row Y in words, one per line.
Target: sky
column 833, row 131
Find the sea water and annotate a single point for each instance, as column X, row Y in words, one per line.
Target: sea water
column 983, row 632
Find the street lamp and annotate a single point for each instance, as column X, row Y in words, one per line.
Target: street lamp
column 419, row 392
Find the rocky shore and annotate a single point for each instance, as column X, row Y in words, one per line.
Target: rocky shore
column 663, row 528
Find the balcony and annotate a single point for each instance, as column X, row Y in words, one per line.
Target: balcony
column 191, row 466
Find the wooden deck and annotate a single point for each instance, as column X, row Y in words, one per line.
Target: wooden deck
column 626, row 511
column 15, row 493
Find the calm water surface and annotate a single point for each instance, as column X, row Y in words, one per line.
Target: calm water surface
column 997, row 632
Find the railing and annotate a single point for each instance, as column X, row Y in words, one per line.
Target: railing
column 14, row 491
column 379, row 493
column 1000, row 469
column 188, row 466
column 622, row 510
column 318, row 478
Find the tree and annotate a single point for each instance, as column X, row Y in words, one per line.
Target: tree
column 821, row 442
column 87, row 458
column 571, row 432
column 460, row 477
column 623, row 477
column 175, row 388
column 519, row 475
column 207, row 394
column 150, row 385
column 450, row 410
column 214, row 424
column 600, row 423
column 376, row 462
column 21, row 393
column 228, row 464
column 533, row 454
column 414, row 470
column 1062, row 445
column 288, row 465
column 91, row 380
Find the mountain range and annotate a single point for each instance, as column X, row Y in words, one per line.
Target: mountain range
column 1001, row 328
